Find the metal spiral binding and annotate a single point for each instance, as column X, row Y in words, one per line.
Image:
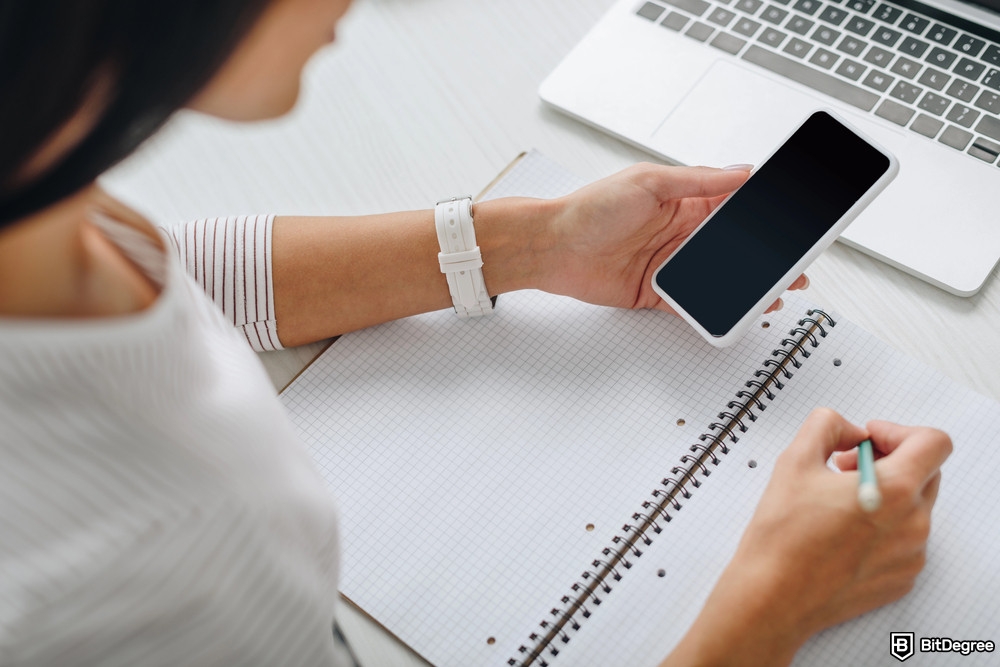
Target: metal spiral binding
column 748, row 404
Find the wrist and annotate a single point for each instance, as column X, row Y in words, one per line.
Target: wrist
column 516, row 245
column 744, row 622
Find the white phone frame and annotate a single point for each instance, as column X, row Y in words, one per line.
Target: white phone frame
column 740, row 328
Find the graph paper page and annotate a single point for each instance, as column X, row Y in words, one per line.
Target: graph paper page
column 482, row 465
column 956, row 596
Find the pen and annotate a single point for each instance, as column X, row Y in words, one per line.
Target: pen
column 869, row 497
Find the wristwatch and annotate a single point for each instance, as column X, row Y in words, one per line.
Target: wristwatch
column 460, row 259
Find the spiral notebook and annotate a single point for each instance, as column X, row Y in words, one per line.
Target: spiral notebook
column 562, row 484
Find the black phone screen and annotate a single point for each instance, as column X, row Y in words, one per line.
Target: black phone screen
column 771, row 222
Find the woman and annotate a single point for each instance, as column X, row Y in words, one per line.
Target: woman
column 154, row 505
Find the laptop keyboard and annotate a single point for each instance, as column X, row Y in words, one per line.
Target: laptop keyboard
column 914, row 68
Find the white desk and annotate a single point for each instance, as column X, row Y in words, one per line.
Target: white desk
column 423, row 99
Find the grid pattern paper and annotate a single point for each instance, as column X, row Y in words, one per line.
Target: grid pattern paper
column 469, row 457
column 958, row 594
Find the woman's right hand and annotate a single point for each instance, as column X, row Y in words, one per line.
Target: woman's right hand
column 811, row 557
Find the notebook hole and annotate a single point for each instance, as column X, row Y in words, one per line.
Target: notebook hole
column 590, row 527
column 661, row 573
column 752, row 463
column 491, row 641
column 681, row 422
column 836, row 362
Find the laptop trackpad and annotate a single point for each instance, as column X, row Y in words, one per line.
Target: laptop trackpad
column 732, row 115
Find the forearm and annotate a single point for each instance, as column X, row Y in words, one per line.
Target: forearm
column 335, row 274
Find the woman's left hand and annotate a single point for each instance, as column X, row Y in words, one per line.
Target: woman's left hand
column 610, row 236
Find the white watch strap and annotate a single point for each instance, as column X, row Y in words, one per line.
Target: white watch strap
column 460, row 259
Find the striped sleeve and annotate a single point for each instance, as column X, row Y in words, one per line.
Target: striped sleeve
column 231, row 259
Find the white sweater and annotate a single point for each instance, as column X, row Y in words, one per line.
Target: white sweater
column 156, row 507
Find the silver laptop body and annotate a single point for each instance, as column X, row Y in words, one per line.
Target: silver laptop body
column 721, row 82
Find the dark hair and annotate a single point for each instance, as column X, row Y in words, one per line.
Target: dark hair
column 156, row 53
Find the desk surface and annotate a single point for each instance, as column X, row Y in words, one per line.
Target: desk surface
column 423, row 99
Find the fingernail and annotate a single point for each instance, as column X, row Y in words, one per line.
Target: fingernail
column 806, row 286
column 738, row 167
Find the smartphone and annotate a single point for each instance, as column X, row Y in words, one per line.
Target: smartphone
column 757, row 242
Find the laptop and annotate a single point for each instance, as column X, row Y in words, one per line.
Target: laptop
column 721, row 82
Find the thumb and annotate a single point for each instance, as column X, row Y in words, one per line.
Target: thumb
column 678, row 182
column 823, row 433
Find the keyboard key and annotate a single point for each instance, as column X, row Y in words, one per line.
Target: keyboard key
column 746, row 27
column 906, row 92
column 989, row 126
column 927, row 126
column 807, row 6
column 748, row 6
column 988, row 101
column 914, row 24
column 992, row 54
column 940, row 57
column 859, row 26
column 936, row 104
column 963, row 90
column 852, row 45
column 956, row 138
column 970, row 69
column 825, row 35
column 799, row 25
column 941, row 34
column 797, row 47
column 963, row 115
column 723, row 2
column 772, row 37
column 728, row 43
column 774, row 14
column 887, row 36
column 913, row 47
column 721, row 17
column 969, row 45
column 696, row 7
column 851, row 70
column 888, row 13
column 895, row 112
column 861, row 6
column 808, row 76
column 992, row 79
column 700, row 31
column 984, row 149
column 905, row 67
column 782, row 2
column 833, row 15
column 878, row 80
column 650, row 11
column 823, row 58
column 934, row 79
column 675, row 21
column 878, row 57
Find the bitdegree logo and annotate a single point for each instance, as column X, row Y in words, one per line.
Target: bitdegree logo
column 948, row 645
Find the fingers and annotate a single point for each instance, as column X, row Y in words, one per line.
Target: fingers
column 679, row 182
column 910, row 450
column 824, row 432
column 802, row 282
column 846, row 460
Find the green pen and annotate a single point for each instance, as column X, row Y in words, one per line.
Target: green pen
column 869, row 497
